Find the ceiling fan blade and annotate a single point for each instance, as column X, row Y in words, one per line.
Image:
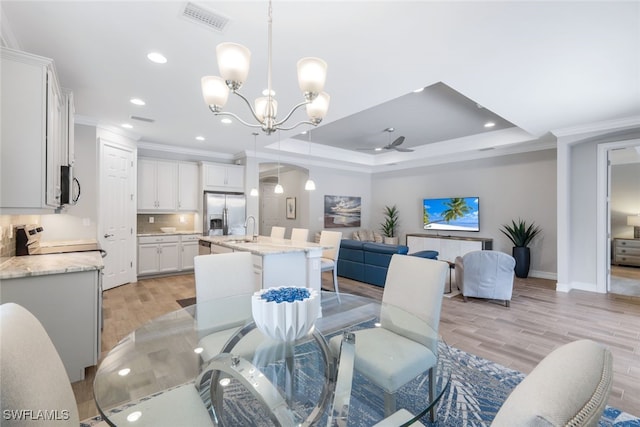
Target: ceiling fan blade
column 397, row 142
column 403, row 150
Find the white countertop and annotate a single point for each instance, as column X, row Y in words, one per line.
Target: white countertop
column 264, row 245
column 40, row 265
column 160, row 233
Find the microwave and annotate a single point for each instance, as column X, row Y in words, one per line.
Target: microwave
column 69, row 186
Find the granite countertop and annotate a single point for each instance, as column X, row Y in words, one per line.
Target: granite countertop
column 160, row 233
column 264, row 245
column 40, row 265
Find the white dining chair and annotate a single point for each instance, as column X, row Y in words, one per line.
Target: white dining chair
column 392, row 355
column 329, row 259
column 34, row 378
column 220, row 276
column 299, row 234
column 277, row 232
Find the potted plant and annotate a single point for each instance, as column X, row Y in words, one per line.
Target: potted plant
column 521, row 235
column 388, row 227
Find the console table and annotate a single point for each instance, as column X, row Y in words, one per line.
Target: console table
column 448, row 247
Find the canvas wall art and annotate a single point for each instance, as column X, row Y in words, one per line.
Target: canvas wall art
column 341, row 211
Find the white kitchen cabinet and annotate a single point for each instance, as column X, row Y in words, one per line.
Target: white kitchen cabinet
column 221, row 177
column 166, row 254
column 157, row 185
column 69, row 307
column 188, row 191
column 68, row 126
column 31, row 133
column 188, row 250
column 158, row 254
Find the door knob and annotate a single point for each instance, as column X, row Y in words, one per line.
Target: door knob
column 106, row 236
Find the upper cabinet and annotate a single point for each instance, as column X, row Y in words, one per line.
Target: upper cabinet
column 220, row 177
column 167, row 186
column 188, row 193
column 157, row 185
column 35, row 136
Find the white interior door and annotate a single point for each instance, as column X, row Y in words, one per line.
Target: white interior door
column 117, row 214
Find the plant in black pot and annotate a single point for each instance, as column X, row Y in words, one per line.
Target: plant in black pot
column 388, row 227
column 521, row 234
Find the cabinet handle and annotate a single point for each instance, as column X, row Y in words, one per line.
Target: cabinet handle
column 106, row 236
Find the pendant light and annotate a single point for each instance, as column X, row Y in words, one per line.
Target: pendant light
column 254, row 190
column 278, row 189
column 309, row 185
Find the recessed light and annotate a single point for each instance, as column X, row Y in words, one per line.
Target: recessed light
column 200, row 138
column 137, row 101
column 377, row 149
column 127, row 126
column 226, row 121
column 157, row 57
column 489, row 124
column 134, row 416
column 124, row 372
column 418, row 90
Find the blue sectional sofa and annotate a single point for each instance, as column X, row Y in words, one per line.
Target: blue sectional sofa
column 366, row 261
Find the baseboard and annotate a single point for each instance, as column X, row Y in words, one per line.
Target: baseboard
column 543, row 274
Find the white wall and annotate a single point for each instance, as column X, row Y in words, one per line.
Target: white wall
column 333, row 182
column 509, row 187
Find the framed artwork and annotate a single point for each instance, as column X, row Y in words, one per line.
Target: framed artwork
column 291, row 207
column 341, row 211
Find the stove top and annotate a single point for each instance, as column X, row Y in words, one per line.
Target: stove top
column 63, row 249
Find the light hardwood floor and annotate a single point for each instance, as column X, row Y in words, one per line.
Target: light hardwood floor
column 538, row 321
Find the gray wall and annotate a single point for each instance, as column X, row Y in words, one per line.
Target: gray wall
column 509, row 187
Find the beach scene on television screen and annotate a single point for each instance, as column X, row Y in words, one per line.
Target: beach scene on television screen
column 453, row 214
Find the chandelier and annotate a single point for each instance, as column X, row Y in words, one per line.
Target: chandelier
column 233, row 63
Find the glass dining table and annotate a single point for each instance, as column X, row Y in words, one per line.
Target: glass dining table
column 208, row 364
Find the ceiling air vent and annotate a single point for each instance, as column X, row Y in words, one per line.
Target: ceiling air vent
column 202, row 16
column 142, row 119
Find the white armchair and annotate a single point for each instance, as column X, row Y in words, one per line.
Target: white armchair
column 391, row 356
column 485, row 274
column 569, row 387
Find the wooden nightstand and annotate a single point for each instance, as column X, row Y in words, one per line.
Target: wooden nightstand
column 626, row 252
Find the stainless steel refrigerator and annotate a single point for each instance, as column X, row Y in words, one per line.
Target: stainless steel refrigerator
column 224, row 213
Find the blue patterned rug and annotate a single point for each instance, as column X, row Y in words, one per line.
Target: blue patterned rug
column 476, row 391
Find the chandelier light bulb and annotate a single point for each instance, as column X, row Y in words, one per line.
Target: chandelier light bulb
column 312, row 73
column 318, row 108
column 215, row 92
column 234, row 61
column 262, row 107
column 254, row 192
column 278, row 189
column 310, row 185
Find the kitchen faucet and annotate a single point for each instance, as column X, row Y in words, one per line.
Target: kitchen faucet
column 254, row 238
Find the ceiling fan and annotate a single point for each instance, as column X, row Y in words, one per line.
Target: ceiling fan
column 395, row 145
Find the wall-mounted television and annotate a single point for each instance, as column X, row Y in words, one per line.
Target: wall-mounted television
column 451, row 214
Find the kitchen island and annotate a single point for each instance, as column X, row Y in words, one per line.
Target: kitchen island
column 277, row 262
column 64, row 292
